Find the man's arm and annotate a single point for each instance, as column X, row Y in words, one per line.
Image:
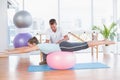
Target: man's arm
column 63, row 35
column 64, row 39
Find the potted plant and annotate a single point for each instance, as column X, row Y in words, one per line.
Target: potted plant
column 108, row 33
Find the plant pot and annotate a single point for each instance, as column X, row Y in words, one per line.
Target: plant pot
column 106, row 49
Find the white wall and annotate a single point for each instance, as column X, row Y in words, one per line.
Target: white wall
column 3, row 25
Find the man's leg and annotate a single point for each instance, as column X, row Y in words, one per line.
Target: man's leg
column 44, row 59
column 102, row 42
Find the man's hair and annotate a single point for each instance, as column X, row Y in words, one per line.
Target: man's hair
column 33, row 40
column 52, row 21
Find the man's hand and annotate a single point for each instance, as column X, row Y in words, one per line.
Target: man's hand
column 66, row 37
column 47, row 41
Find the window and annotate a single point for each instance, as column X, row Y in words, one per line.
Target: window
column 102, row 11
column 118, row 10
column 75, row 14
column 11, row 26
column 42, row 11
column 118, row 19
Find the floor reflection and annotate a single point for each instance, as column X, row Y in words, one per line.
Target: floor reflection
column 62, row 74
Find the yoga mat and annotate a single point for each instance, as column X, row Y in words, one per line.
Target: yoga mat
column 42, row 68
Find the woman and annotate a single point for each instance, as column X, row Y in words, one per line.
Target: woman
column 46, row 48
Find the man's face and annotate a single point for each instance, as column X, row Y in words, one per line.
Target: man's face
column 53, row 27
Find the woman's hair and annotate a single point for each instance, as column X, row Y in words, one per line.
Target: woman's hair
column 52, row 21
column 33, row 40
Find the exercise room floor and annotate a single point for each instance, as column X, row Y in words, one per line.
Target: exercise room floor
column 15, row 68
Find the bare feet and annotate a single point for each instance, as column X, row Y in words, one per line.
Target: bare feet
column 109, row 42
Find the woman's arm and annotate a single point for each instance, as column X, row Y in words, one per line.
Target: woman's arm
column 17, row 48
column 23, row 50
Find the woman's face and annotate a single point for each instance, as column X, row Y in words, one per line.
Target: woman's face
column 31, row 45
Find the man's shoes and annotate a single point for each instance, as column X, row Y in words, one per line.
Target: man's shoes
column 43, row 63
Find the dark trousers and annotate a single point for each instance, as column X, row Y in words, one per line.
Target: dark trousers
column 44, row 56
column 74, row 46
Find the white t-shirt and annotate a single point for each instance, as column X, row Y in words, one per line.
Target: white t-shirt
column 54, row 36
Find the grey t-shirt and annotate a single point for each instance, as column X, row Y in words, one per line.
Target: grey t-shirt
column 47, row 47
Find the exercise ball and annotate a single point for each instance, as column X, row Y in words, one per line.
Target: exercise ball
column 61, row 60
column 22, row 19
column 21, row 40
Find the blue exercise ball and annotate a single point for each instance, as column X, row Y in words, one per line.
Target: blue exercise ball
column 22, row 19
column 21, row 40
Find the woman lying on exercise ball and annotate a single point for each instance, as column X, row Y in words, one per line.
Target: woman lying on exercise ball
column 46, row 48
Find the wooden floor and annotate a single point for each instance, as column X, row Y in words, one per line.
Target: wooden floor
column 15, row 68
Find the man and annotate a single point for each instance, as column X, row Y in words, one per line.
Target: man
column 54, row 35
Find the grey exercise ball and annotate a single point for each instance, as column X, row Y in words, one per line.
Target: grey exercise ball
column 22, row 19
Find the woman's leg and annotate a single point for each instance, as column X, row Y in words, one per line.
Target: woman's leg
column 67, row 46
column 44, row 59
column 102, row 42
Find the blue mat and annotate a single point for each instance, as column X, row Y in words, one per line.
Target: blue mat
column 41, row 68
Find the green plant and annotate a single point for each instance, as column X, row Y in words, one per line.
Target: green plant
column 107, row 32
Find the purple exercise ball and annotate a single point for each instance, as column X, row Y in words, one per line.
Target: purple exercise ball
column 21, row 40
